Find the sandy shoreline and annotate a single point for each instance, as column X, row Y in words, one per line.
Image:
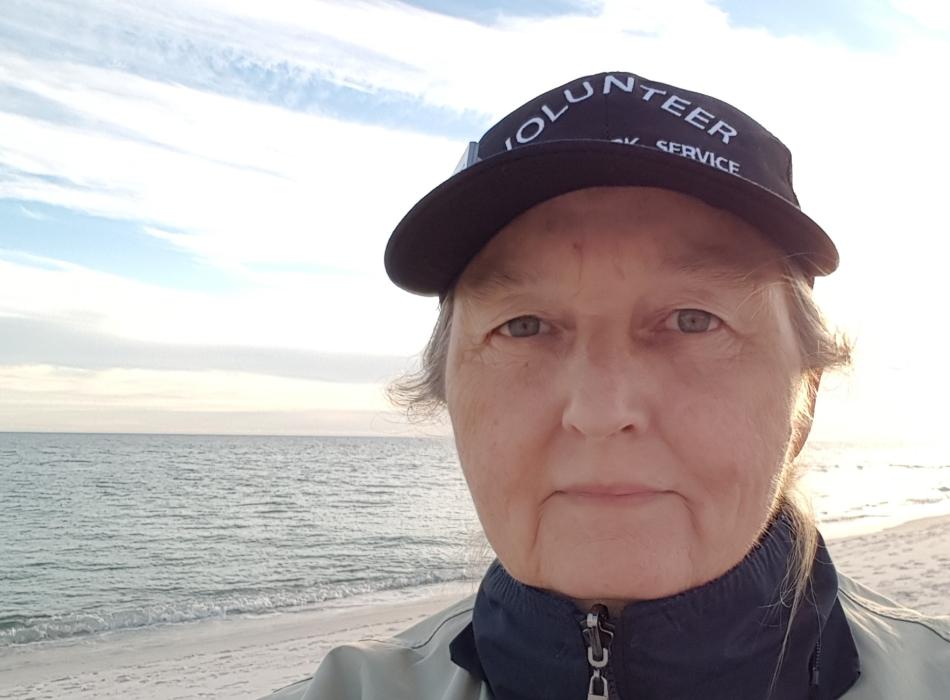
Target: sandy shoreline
column 238, row 657
column 909, row 563
column 247, row 657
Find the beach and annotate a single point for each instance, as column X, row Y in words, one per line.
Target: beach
column 908, row 563
column 240, row 657
column 250, row 656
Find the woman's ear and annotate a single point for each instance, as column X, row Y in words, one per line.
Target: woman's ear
column 804, row 412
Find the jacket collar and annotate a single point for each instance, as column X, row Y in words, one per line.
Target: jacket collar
column 719, row 640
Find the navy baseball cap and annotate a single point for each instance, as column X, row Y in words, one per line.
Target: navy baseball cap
column 610, row 129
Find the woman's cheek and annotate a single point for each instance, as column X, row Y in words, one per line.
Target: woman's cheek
column 489, row 407
column 730, row 429
column 503, row 411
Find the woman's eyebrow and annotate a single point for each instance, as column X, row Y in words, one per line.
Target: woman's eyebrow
column 709, row 264
column 717, row 264
column 487, row 283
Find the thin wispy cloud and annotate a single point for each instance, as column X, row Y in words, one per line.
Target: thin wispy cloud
column 62, row 344
column 334, row 314
column 30, row 214
column 241, row 182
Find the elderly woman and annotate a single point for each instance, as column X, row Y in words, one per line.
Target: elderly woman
column 629, row 352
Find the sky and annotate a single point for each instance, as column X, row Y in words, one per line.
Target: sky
column 195, row 195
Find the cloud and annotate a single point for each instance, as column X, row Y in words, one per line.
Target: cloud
column 30, row 214
column 932, row 14
column 332, row 314
column 121, row 419
column 237, row 182
column 45, row 398
column 34, row 341
column 172, row 390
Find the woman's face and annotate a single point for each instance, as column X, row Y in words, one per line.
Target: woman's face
column 621, row 380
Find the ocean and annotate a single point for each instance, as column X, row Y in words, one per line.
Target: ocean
column 112, row 532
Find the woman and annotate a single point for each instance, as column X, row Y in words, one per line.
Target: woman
column 629, row 353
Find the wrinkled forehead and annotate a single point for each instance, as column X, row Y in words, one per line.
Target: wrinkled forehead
column 634, row 230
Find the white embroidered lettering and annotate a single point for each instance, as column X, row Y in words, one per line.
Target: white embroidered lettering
column 674, row 103
column 569, row 96
column 611, row 80
column 671, row 103
column 699, row 118
column 534, row 121
column 649, row 92
column 721, row 127
column 709, row 158
column 551, row 115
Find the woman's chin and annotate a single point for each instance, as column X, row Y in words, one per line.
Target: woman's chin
column 637, row 554
column 626, row 581
column 616, row 570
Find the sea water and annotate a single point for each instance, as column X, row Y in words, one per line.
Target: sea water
column 109, row 532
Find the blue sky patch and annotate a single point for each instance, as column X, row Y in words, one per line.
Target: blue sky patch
column 106, row 245
column 489, row 12
column 854, row 23
column 389, row 109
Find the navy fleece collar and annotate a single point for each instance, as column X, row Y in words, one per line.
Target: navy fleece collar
column 718, row 641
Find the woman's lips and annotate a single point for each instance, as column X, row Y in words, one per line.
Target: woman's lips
column 612, row 492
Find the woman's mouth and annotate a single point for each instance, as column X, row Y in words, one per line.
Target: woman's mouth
column 620, row 492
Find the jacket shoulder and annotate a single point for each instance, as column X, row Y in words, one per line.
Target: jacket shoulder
column 414, row 664
column 903, row 653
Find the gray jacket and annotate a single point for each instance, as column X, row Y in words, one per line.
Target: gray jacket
column 904, row 656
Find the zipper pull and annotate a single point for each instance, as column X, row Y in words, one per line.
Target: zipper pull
column 598, row 633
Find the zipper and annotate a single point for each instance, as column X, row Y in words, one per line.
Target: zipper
column 813, row 681
column 598, row 633
column 816, row 657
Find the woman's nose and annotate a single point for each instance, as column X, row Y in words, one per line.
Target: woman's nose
column 607, row 389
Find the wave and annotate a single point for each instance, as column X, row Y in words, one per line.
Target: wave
column 22, row 629
column 847, row 518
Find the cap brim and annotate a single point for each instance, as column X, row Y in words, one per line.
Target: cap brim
column 434, row 242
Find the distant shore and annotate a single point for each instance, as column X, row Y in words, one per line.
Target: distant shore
column 248, row 657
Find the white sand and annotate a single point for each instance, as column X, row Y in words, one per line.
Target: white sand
column 249, row 657
column 241, row 657
column 909, row 563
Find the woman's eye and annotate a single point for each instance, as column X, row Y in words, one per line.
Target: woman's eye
column 693, row 321
column 521, row 327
